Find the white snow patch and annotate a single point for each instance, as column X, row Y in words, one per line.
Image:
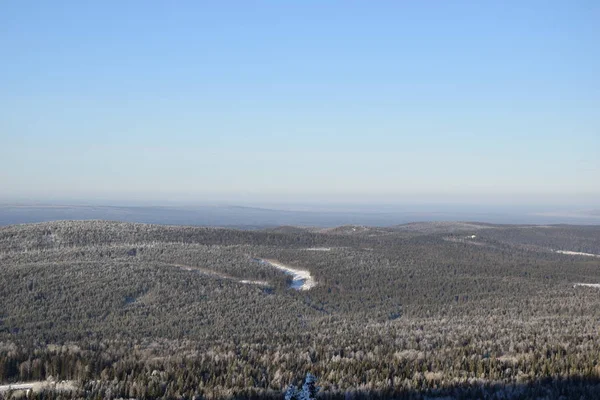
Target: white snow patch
column 594, row 285
column 302, row 279
column 576, row 253
column 261, row 283
column 37, row 386
column 318, row 249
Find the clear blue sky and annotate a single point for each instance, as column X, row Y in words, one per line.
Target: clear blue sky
column 300, row 100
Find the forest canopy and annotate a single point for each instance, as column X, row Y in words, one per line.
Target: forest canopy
column 124, row 310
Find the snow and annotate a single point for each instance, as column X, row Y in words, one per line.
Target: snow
column 262, row 283
column 301, row 279
column 576, row 253
column 594, row 285
column 318, row 249
column 39, row 385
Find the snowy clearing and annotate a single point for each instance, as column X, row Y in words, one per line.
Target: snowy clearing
column 594, row 285
column 576, row 253
column 261, row 283
column 39, row 385
column 302, row 279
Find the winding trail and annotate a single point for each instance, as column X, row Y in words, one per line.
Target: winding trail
column 531, row 248
column 216, row 274
column 301, row 278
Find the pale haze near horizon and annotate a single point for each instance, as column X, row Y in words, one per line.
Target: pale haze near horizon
column 470, row 102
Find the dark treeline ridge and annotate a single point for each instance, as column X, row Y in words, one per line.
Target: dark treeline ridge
column 460, row 310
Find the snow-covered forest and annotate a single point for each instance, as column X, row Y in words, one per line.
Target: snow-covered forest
column 119, row 310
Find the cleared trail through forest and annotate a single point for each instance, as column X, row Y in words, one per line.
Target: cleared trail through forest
column 466, row 240
column 301, row 278
column 592, row 285
column 576, row 253
column 216, row 274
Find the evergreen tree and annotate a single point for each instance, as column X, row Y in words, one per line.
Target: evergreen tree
column 291, row 393
column 309, row 389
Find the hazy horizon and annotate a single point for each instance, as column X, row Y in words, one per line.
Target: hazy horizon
column 298, row 214
column 430, row 205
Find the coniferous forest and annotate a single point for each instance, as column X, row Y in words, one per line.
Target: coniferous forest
column 106, row 310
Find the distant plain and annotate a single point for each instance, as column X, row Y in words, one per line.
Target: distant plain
column 298, row 215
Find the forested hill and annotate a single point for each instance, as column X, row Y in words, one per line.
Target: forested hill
column 421, row 309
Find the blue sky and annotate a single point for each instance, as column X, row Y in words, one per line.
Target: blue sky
column 244, row 101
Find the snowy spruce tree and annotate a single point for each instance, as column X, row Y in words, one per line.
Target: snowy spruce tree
column 308, row 392
column 291, row 393
column 309, row 389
